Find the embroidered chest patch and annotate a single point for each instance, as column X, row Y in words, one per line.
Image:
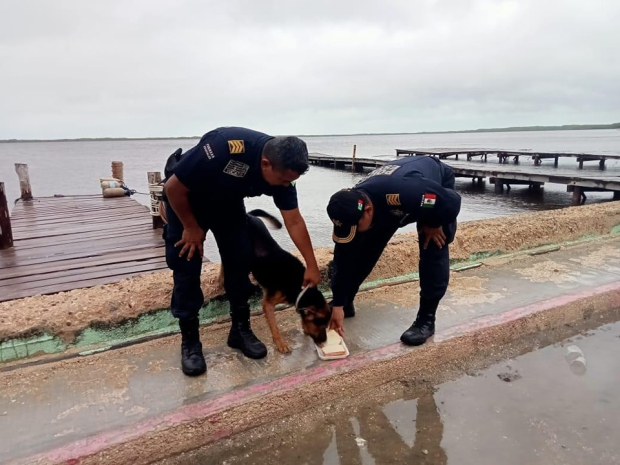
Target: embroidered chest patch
column 236, row 168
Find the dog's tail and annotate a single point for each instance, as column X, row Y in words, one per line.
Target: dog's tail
column 266, row 216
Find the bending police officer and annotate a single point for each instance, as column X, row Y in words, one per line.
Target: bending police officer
column 416, row 189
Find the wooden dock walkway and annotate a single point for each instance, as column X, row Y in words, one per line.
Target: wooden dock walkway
column 499, row 174
column 64, row 243
column 504, row 156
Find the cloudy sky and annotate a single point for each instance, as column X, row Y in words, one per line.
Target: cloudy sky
column 129, row 68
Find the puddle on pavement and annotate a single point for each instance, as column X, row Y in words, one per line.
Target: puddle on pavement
column 536, row 409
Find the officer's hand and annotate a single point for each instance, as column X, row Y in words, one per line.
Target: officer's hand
column 337, row 320
column 192, row 241
column 312, row 277
column 434, row 234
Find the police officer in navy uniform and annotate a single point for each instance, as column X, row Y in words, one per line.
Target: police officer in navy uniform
column 204, row 191
column 416, row 189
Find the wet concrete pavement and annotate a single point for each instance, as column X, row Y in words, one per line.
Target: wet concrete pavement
column 532, row 409
column 53, row 404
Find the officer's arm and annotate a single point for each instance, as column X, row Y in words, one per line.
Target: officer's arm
column 430, row 202
column 178, row 197
column 296, row 227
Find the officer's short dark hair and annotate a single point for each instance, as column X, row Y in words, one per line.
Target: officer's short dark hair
column 287, row 153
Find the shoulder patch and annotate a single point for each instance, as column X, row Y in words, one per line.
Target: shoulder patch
column 387, row 170
column 393, row 199
column 428, row 200
column 236, row 146
column 236, row 168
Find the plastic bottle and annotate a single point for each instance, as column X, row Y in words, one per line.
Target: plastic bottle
column 576, row 360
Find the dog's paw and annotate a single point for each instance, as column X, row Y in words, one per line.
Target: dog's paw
column 283, row 347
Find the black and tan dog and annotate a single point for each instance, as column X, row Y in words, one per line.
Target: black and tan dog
column 281, row 274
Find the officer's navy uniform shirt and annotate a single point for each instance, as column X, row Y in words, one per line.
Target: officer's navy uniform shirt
column 225, row 166
column 413, row 189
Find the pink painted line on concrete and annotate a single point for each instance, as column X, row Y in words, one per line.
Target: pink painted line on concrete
column 73, row 452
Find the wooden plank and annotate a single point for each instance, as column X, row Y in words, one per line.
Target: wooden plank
column 71, row 256
column 62, row 287
column 43, row 207
column 42, row 232
column 81, row 237
column 77, row 217
column 86, row 247
column 21, row 259
column 83, row 250
column 117, row 257
column 86, row 228
column 100, row 203
column 75, row 213
column 76, row 200
column 63, row 229
column 40, row 212
column 52, row 278
column 79, row 222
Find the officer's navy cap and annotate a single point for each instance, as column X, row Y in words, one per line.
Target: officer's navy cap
column 345, row 209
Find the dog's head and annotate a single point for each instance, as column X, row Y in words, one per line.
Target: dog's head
column 315, row 315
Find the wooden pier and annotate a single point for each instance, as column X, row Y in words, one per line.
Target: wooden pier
column 504, row 156
column 64, row 243
column 341, row 163
column 60, row 243
column 499, row 174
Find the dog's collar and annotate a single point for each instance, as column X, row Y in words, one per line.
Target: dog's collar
column 300, row 296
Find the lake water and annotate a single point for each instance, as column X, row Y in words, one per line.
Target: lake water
column 75, row 168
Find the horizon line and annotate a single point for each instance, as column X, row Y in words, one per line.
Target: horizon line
column 565, row 127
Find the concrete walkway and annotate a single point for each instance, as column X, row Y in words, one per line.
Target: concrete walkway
column 63, row 411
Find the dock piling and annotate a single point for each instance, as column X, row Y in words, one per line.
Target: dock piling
column 6, row 232
column 155, row 191
column 24, row 181
column 117, row 170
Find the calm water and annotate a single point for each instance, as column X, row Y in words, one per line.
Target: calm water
column 74, row 168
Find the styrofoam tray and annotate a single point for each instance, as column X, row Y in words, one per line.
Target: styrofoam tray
column 332, row 357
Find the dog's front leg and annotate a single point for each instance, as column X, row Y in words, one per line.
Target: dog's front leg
column 269, row 309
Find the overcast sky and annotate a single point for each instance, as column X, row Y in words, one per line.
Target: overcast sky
column 87, row 68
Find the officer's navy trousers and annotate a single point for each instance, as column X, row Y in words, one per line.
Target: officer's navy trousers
column 228, row 223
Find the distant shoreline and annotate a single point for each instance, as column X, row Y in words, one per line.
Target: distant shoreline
column 566, row 127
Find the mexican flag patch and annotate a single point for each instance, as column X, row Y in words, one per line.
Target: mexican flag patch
column 428, row 200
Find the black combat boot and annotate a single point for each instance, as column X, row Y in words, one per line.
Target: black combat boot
column 349, row 309
column 192, row 358
column 424, row 325
column 241, row 335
